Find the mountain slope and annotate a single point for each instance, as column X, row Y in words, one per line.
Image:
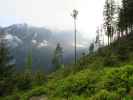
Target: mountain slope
column 41, row 41
column 107, row 74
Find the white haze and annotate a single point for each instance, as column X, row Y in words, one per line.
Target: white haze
column 54, row 14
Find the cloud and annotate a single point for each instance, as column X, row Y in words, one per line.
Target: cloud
column 80, row 45
column 42, row 44
column 13, row 41
column 54, row 14
column 34, row 41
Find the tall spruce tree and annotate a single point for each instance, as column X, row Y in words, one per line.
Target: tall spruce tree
column 6, row 67
column 6, row 60
column 58, row 57
column 91, row 48
column 125, row 20
column 109, row 12
column 28, row 66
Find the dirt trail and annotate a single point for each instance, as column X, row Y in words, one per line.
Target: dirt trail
column 38, row 98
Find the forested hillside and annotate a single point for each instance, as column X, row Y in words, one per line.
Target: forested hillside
column 102, row 75
column 105, row 73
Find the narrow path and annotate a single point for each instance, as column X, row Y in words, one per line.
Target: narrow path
column 38, row 98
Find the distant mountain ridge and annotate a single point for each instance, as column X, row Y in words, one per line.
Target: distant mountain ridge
column 41, row 41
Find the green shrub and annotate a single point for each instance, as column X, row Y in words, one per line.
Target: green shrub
column 75, row 97
column 24, row 81
column 6, row 86
column 105, row 95
column 122, row 91
column 12, row 97
column 38, row 91
column 111, row 60
column 75, row 84
column 127, row 98
column 39, row 78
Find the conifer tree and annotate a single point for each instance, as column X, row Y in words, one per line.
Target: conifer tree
column 125, row 20
column 28, row 66
column 6, row 60
column 91, row 48
column 58, row 57
column 6, row 67
column 109, row 11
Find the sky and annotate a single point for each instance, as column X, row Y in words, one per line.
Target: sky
column 54, row 14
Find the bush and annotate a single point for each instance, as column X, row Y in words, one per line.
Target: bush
column 105, row 95
column 127, row 98
column 12, row 97
column 39, row 78
column 38, row 91
column 111, row 60
column 24, row 81
column 74, row 84
column 122, row 91
column 6, row 87
column 75, row 97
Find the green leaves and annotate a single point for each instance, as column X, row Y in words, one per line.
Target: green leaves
column 107, row 84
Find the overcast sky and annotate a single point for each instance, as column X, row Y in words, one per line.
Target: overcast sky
column 53, row 14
